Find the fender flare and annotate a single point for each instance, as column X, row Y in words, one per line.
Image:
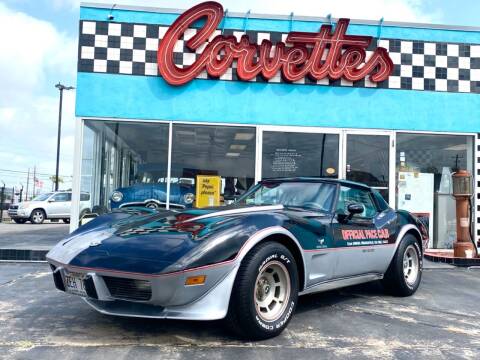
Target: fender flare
column 400, row 236
column 261, row 235
column 38, row 208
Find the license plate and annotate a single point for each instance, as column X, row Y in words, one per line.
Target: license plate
column 74, row 284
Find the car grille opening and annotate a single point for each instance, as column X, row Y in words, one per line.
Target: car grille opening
column 90, row 287
column 128, row 289
column 57, row 279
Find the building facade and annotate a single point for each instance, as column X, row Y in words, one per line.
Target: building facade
column 140, row 133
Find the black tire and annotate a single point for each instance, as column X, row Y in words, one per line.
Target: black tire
column 37, row 216
column 20, row 221
column 66, row 220
column 84, row 212
column 395, row 280
column 243, row 317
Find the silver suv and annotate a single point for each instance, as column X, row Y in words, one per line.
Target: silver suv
column 53, row 205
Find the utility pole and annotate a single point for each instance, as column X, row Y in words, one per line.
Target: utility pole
column 28, row 179
column 2, row 197
column 34, row 179
column 60, row 87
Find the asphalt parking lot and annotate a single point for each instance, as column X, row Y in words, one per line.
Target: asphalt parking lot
column 441, row 321
column 31, row 236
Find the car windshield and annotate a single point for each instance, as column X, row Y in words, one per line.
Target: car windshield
column 317, row 196
column 42, row 197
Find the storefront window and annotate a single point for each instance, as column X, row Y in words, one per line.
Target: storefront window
column 124, row 164
column 211, row 165
column 424, row 167
column 290, row 154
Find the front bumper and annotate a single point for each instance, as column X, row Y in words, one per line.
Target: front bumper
column 18, row 213
column 170, row 297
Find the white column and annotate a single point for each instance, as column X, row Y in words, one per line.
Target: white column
column 77, row 170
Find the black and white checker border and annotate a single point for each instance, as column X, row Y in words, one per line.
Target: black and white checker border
column 477, row 189
column 131, row 49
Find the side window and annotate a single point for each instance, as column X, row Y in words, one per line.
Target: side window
column 63, row 197
column 84, row 197
column 348, row 195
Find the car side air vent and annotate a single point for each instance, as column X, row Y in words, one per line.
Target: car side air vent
column 128, row 289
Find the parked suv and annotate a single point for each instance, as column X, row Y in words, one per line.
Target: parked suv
column 53, row 205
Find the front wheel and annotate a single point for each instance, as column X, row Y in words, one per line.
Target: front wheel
column 37, row 216
column 405, row 271
column 265, row 292
column 20, row 221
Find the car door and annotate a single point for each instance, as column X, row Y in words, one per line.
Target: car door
column 361, row 240
column 59, row 205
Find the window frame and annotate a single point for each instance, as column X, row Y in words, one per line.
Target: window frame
column 358, row 188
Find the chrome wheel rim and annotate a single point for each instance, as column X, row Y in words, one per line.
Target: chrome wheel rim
column 37, row 216
column 272, row 291
column 152, row 206
column 410, row 265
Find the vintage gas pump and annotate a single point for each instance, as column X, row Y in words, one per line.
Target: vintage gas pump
column 462, row 191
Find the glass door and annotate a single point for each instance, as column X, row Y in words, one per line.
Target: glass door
column 368, row 160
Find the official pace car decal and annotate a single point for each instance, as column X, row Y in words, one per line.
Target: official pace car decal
column 363, row 237
column 364, row 234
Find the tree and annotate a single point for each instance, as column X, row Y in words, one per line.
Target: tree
column 53, row 178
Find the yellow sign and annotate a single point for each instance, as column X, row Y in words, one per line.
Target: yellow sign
column 208, row 191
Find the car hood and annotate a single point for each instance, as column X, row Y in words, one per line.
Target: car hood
column 26, row 204
column 159, row 242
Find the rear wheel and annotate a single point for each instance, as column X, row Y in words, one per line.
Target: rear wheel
column 265, row 292
column 37, row 216
column 405, row 271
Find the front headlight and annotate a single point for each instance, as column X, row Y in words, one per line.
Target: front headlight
column 188, row 198
column 117, row 196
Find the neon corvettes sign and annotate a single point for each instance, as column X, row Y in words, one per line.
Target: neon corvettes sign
column 327, row 53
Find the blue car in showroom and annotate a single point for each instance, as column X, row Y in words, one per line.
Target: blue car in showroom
column 247, row 262
column 154, row 195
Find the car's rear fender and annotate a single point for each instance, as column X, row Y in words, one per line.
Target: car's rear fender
column 406, row 229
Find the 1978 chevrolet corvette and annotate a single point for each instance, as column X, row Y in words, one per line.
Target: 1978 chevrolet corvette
column 247, row 262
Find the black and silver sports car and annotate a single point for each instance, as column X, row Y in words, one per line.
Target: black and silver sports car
column 247, row 262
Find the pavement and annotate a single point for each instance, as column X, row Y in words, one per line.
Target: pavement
column 30, row 236
column 441, row 321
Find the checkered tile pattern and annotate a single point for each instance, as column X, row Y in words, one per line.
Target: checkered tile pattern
column 126, row 48
column 477, row 187
column 143, row 231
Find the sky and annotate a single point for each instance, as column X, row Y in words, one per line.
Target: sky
column 38, row 48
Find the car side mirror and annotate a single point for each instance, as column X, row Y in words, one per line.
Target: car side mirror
column 352, row 209
column 51, row 200
column 355, row 208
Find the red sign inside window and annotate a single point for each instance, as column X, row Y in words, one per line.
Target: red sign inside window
column 327, row 53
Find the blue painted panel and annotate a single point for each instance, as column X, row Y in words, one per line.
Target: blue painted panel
column 87, row 13
column 140, row 97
